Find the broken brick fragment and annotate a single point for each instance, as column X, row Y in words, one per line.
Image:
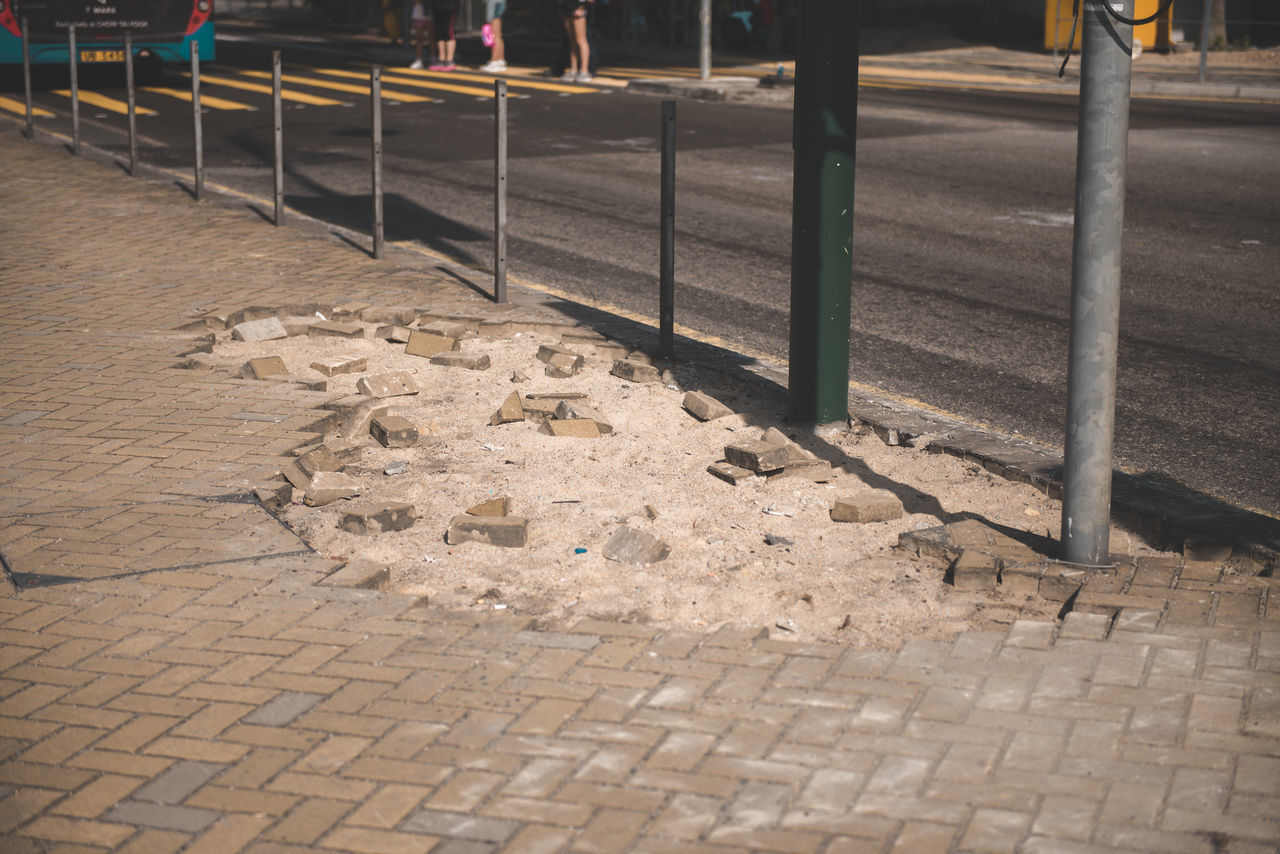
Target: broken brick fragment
column 511, row 410
column 263, row 368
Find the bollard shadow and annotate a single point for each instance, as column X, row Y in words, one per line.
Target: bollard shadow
column 269, row 217
column 403, row 220
column 354, row 244
column 186, row 188
column 484, row 290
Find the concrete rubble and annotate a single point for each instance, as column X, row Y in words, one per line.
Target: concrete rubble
column 635, row 547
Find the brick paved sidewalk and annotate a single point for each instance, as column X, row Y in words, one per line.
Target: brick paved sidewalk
column 176, row 675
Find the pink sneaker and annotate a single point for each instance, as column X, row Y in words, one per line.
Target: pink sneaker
column 486, row 35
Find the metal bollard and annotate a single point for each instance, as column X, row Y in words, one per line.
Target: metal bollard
column 196, row 119
column 133, row 106
column 26, row 75
column 667, row 250
column 1207, row 22
column 704, row 40
column 500, row 191
column 375, row 95
column 278, row 112
column 75, row 90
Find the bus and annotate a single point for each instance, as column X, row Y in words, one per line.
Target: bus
column 162, row 30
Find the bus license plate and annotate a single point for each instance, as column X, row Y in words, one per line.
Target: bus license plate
column 102, row 56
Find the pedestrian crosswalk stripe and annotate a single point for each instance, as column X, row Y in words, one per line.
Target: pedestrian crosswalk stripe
column 285, row 94
column 20, row 107
column 105, row 103
column 407, row 81
column 211, row 101
column 545, row 86
column 389, row 94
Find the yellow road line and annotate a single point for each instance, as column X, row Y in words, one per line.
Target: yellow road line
column 20, row 107
column 205, row 100
column 488, row 78
column 389, row 94
column 285, row 94
column 407, row 81
column 105, row 103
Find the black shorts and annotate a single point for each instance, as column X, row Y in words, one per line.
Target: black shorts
column 569, row 8
column 442, row 23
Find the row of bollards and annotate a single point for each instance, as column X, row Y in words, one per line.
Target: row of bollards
column 668, row 136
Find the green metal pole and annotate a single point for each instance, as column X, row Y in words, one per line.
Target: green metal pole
column 826, row 113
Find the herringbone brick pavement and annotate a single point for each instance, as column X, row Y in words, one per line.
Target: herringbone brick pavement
column 173, row 676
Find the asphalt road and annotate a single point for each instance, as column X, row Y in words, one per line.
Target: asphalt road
column 962, row 240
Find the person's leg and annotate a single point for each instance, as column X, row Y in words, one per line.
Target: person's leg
column 572, row 68
column 581, row 47
column 451, row 42
column 499, row 51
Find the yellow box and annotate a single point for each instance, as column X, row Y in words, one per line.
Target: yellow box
column 1057, row 24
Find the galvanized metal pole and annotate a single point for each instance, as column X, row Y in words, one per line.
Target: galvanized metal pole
column 1102, row 139
column 196, row 119
column 704, row 40
column 1205, row 26
column 75, row 90
column 278, row 112
column 26, row 75
column 500, row 191
column 825, row 134
column 133, row 105
column 667, row 249
column 375, row 104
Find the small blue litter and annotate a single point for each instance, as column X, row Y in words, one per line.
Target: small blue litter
column 579, row 551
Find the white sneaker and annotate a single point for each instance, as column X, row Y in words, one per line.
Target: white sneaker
column 568, row 77
column 416, row 65
column 498, row 65
column 583, row 77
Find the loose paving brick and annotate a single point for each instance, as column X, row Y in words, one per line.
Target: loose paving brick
column 266, row 329
column 393, row 431
column 335, row 329
column 371, row 518
column 334, row 365
column 426, row 344
column 465, row 360
column 391, row 384
column 330, row 486
column 574, row 428
column 879, row 505
column 757, row 456
column 634, row 371
column 704, row 407
column 570, row 410
column 507, row 531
